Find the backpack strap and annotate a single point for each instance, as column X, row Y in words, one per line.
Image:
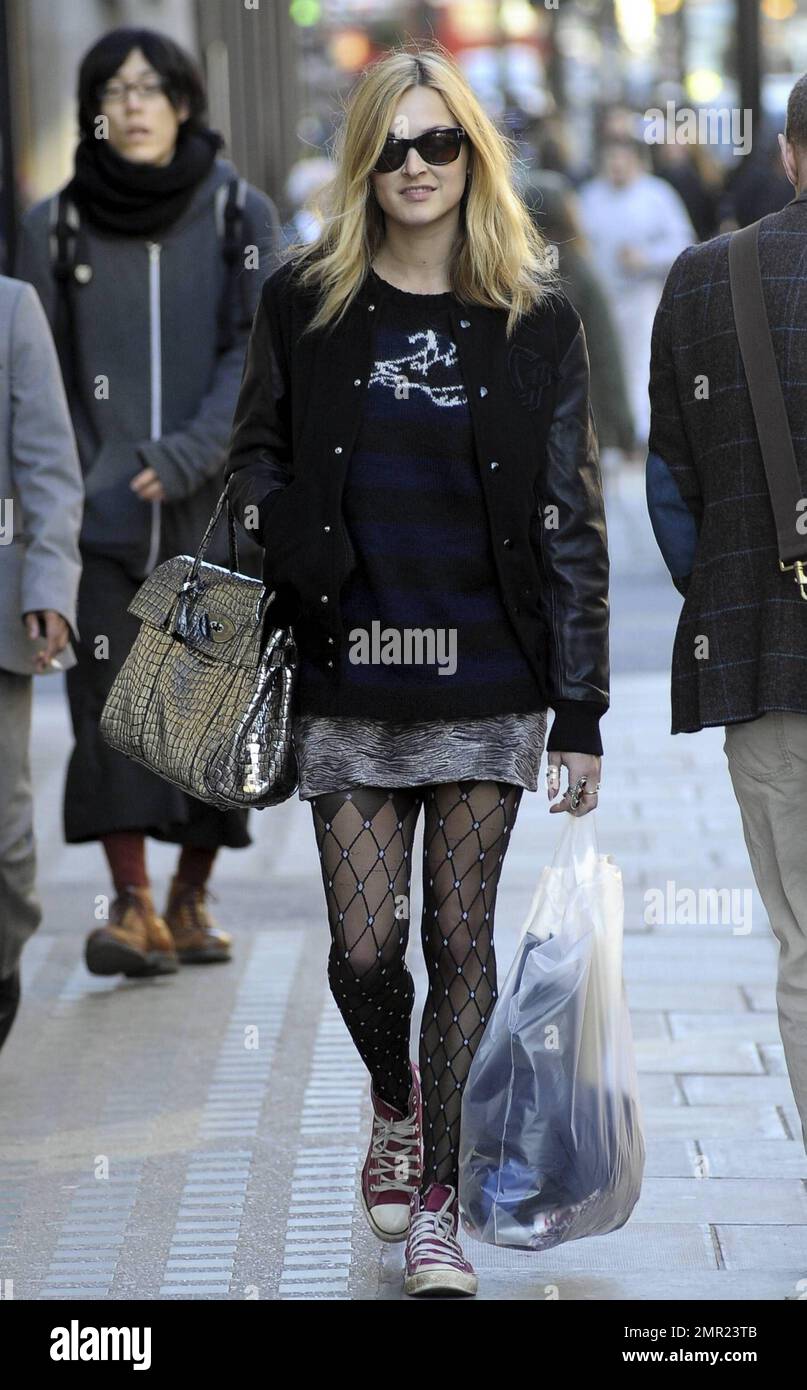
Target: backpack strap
column 67, row 242
column 230, row 202
column 68, row 254
column 64, row 222
column 230, row 219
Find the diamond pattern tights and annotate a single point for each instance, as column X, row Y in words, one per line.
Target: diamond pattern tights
column 365, row 839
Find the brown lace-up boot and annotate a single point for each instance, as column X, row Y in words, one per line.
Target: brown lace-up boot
column 196, row 937
column 135, row 940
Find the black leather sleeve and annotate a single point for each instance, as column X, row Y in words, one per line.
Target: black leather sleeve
column 259, row 470
column 572, row 540
column 259, row 455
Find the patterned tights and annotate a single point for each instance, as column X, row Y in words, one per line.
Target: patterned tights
column 365, row 838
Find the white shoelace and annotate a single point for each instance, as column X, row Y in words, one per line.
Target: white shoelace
column 397, row 1170
column 431, row 1236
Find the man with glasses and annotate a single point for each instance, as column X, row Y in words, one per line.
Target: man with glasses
column 149, row 265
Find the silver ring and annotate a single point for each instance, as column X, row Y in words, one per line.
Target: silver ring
column 576, row 793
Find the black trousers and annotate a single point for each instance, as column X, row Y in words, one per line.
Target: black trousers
column 104, row 790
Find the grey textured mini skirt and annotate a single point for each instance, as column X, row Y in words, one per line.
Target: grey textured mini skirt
column 335, row 753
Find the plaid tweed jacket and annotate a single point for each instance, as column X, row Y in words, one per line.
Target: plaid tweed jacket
column 741, row 644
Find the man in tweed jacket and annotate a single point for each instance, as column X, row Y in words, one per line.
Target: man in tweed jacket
column 740, row 652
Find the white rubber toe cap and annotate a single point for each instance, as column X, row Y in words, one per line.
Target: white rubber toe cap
column 391, row 1217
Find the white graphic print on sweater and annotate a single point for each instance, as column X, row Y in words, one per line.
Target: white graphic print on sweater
column 420, row 368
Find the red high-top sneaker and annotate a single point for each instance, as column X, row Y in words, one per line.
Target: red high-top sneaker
column 435, row 1263
column 393, row 1167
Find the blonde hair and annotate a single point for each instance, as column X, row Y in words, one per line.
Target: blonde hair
column 500, row 257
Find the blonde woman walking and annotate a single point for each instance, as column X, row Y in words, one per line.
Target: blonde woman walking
column 413, row 439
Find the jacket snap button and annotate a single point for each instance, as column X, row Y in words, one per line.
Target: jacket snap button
column 338, row 449
column 507, row 541
column 483, row 390
column 494, row 465
column 371, row 307
column 323, row 598
column 465, row 323
column 330, row 663
column 330, row 641
column 326, row 528
column 357, row 382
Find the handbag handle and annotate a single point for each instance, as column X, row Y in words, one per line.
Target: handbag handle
column 177, row 619
column 224, row 499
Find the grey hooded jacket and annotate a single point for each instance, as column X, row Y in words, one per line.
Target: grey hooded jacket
column 151, row 387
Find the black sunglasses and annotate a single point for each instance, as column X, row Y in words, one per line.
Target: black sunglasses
column 433, row 146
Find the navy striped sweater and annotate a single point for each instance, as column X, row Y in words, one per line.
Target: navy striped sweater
column 422, row 609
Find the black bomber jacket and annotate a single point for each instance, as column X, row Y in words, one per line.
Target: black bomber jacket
column 294, row 428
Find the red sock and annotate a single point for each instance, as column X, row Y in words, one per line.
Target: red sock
column 195, row 865
column 126, row 853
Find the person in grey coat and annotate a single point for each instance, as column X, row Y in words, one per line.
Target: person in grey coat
column 151, row 295
column 41, row 497
column 552, row 204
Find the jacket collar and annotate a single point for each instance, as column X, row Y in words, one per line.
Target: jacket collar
column 375, row 290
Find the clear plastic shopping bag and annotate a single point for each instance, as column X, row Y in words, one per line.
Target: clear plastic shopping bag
column 551, row 1145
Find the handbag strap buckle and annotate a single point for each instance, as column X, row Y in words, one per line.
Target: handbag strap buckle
column 800, row 576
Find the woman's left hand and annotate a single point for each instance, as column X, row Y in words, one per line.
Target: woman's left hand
column 578, row 765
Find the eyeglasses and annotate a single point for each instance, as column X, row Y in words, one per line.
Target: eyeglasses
column 147, row 89
column 433, row 146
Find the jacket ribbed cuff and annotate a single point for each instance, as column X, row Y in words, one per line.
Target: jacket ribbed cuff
column 576, row 727
column 265, row 506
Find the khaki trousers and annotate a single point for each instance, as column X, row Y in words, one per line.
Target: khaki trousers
column 20, row 909
column 767, row 760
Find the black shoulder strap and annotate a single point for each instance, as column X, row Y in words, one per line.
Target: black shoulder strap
column 230, row 218
column 63, row 231
column 67, row 246
column 767, row 400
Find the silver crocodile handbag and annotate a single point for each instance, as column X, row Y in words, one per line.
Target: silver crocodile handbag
column 204, row 697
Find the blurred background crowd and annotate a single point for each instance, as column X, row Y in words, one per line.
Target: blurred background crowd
column 579, row 86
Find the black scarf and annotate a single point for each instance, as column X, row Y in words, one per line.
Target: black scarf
column 119, row 196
